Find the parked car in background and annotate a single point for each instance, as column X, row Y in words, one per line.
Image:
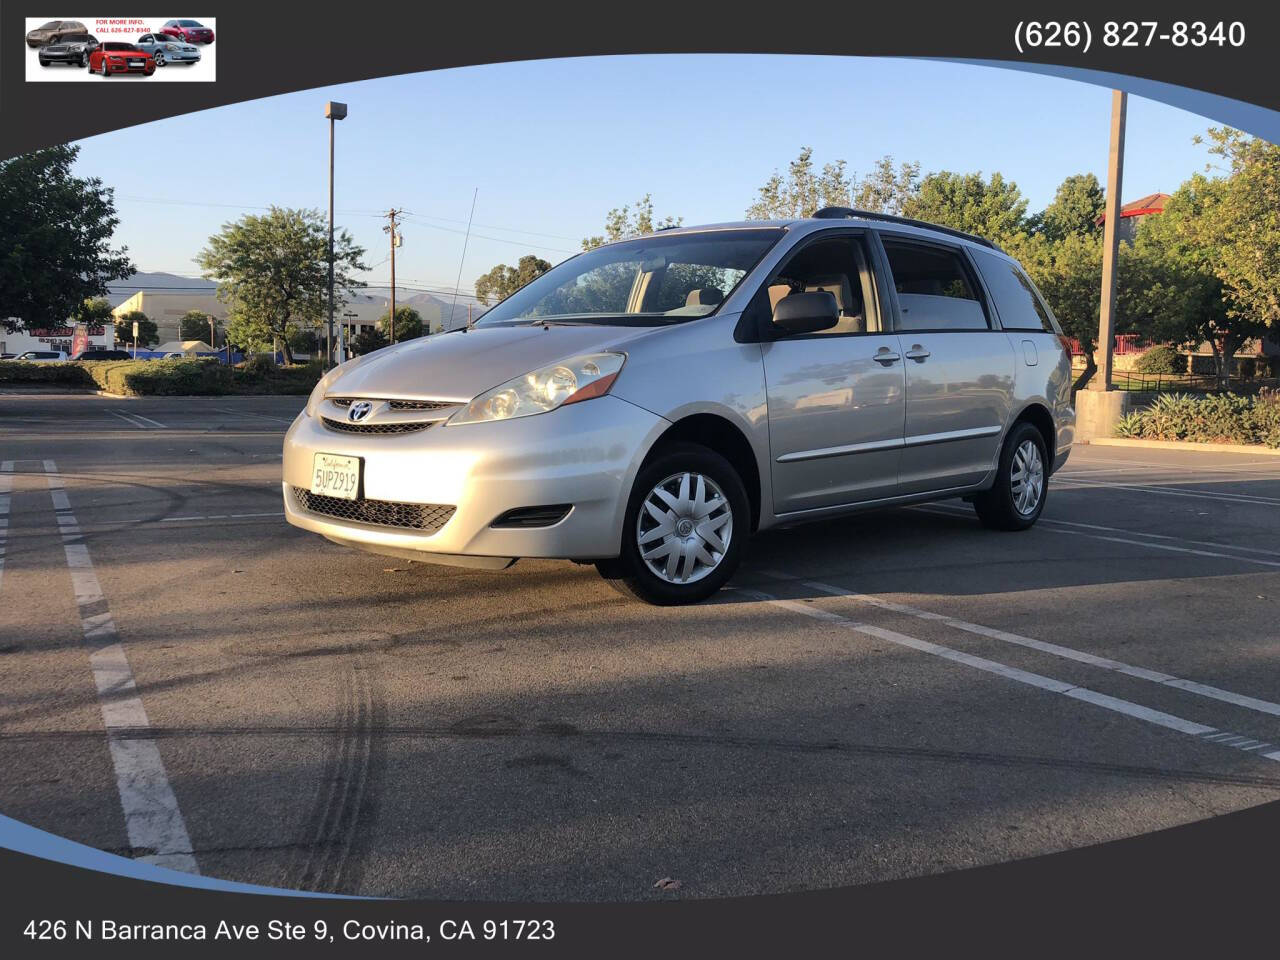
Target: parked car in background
column 121, row 58
column 192, row 31
column 95, row 353
column 8, row 356
column 651, row 404
column 164, row 49
column 55, row 31
column 43, row 356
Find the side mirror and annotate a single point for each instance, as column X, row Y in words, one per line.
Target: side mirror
column 807, row 312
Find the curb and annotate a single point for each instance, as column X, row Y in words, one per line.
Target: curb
column 1255, row 449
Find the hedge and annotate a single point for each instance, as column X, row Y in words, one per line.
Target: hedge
column 1212, row 418
column 179, row 377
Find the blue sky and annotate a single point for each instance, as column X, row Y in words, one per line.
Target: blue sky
column 553, row 145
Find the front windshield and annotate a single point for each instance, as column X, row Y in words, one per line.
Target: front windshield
column 659, row 278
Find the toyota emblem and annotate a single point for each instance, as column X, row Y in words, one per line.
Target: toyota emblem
column 359, row 410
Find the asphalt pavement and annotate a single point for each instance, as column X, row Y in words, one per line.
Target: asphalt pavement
column 900, row 693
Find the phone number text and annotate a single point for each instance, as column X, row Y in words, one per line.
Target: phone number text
column 1080, row 34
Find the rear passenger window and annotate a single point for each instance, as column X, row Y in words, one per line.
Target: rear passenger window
column 935, row 288
column 1017, row 301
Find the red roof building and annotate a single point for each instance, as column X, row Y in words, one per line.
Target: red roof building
column 1131, row 213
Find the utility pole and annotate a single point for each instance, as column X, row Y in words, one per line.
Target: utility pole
column 395, row 242
column 1111, row 244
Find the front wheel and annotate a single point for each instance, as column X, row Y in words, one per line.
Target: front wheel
column 159, row 59
column 686, row 522
column 1016, row 499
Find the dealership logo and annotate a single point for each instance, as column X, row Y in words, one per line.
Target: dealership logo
column 359, row 410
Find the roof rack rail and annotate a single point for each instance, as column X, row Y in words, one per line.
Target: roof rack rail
column 846, row 213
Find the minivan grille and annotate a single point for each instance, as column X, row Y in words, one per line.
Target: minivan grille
column 427, row 517
column 343, row 426
column 399, row 404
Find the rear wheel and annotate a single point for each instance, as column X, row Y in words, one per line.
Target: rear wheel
column 1016, row 499
column 685, row 525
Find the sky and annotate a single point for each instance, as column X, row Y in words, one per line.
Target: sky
column 547, row 148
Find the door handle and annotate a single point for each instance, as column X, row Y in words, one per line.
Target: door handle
column 918, row 353
column 886, row 356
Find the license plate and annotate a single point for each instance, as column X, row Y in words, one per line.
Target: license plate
column 335, row 476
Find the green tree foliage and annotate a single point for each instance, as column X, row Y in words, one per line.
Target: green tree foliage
column 56, row 249
column 367, row 341
column 502, row 281
column 148, row 335
column 994, row 208
column 623, row 223
column 1076, row 207
column 95, row 311
column 272, row 269
column 806, row 189
column 409, row 324
column 194, row 325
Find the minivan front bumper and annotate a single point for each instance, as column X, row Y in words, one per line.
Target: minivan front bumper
column 584, row 455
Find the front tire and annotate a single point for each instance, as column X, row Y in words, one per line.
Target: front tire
column 684, row 529
column 1016, row 499
column 158, row 59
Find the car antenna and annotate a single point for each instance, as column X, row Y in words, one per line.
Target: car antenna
column 465, row 240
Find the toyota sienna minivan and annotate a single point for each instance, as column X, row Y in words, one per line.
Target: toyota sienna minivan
column 649, row 405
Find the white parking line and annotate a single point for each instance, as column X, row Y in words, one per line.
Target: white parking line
column 221, row 516
column 6, row 488
column 151, row 815
column 140, row 423
column 1068, row 653
column 1116, row 705
column 942, row 510
column 1165, row 492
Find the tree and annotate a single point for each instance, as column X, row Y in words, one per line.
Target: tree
column 367, row 340
column 272, row 269
column 502, row 281
column 994, row 209
column 57, row 233
column 1075, row 210
column 147, row 332
column 408, row 324
column 1181, row 259
column 623, row 223
column 95, row 311
column 805, row 189
column 194, row 325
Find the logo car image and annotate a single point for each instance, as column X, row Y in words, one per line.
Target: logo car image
column 55, row 31
column 649, row 405
column 192, row 31
column 164, row 49
column 75, row 50
column 113, row 57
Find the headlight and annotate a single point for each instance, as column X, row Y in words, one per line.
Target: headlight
column 570, row 381
column 171, row 46
column 317, row 394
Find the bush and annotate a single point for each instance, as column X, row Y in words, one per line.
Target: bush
column 1215, row 418
column 178, row 377
column 1160, row 359
column 259, row 364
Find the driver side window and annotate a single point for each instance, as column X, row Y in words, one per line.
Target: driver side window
column 838, row 265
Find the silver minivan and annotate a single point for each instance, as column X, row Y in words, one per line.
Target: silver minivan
column 648, row 405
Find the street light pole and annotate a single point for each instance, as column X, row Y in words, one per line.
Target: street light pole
column 334, row 111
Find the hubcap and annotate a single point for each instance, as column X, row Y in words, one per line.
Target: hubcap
column 1026, row 478
column 684, row 528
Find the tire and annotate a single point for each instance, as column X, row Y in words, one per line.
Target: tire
column 44, row 62
column 719, row 499
column 158, row 59
column 1011, row 504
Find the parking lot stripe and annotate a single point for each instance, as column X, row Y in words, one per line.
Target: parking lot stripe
column 1067, row 653
column 1164, row 491
column 942, row 510
column 6, row 489
column 152, row 818
column 1137, row 711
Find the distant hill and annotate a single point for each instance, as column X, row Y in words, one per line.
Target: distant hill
column 119, row 291
column 433, row 306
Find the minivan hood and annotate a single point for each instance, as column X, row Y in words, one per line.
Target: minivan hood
column 459, row 366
